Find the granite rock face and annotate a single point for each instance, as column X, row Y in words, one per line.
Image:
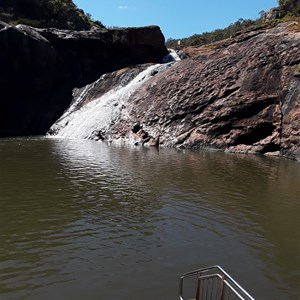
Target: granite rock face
column 239, row 95
column 242, row 95
column 40, row 67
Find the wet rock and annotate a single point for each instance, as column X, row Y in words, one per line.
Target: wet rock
column 99, row 106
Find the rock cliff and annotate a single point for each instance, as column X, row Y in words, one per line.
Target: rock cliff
column 40, row 68
column 239, row 95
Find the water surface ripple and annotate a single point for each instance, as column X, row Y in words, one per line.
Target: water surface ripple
column 87, row 220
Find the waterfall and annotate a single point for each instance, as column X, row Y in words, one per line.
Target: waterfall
column 94, row 119
column 172, row 56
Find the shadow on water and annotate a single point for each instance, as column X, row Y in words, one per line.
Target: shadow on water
column 87, row 220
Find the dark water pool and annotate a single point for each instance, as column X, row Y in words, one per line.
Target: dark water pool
column 86, row 220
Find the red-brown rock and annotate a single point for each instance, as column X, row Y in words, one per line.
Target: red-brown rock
column 240, row 95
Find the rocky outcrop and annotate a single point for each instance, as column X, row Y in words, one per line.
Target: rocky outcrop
column 271, row 15
column 40, row 68
column 239, row 95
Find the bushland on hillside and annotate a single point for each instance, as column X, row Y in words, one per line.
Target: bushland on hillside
column 287, row 9
column 46, row 13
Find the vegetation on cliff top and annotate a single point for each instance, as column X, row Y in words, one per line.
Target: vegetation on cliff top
column 46, row 13
column 289, row 7
column 286, row 10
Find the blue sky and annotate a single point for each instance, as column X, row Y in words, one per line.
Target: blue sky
column 176, row 18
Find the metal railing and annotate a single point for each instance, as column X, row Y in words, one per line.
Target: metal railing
column 211, row 283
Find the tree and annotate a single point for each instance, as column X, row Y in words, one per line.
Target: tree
column 261, row 13
column 289, row 7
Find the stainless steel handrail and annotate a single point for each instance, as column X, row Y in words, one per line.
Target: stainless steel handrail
column 225, row 288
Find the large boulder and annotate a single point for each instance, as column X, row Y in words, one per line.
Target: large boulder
column 40, row 67
column 28, row 67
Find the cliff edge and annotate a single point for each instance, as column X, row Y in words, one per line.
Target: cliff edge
column 40, row 68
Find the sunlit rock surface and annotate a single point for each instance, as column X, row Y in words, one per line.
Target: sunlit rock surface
column 239, row 95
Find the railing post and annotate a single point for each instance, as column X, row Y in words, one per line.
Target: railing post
column 222, row 287
column 181, row 288
column 198, row 287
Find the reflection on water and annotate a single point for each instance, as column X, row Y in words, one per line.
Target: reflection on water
column 86, row 220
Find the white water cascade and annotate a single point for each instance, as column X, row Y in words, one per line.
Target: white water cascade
column 172, row 56
column 97, row 116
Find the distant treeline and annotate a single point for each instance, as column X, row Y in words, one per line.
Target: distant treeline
column 286, row 9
